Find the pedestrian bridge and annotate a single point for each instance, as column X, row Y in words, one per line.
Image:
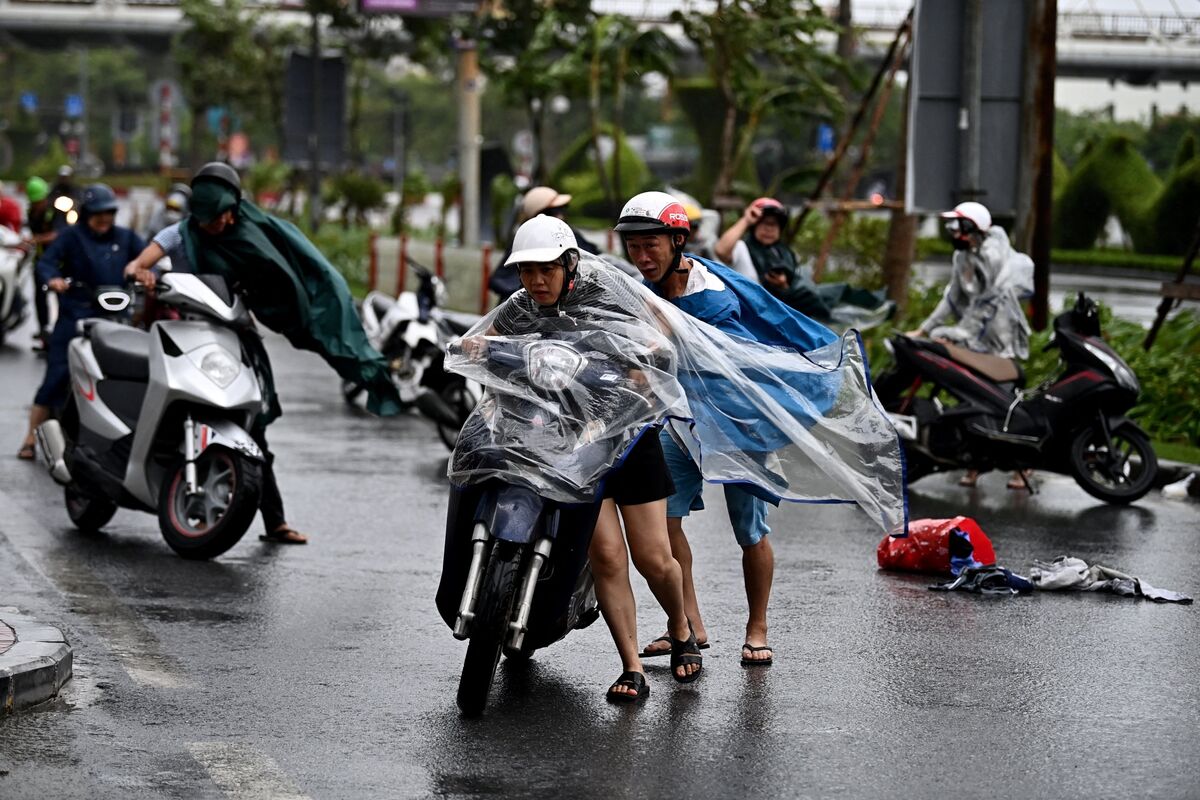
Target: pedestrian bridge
column 1138, row 48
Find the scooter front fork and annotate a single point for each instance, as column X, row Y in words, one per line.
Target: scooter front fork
column 520, row 624
column 189, row 455
column 466, row 606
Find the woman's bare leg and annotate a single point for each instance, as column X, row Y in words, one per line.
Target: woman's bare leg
column 610, row 568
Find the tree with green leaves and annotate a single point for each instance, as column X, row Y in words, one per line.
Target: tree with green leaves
column 520, row 42
column 218, row 60
column 762, row 55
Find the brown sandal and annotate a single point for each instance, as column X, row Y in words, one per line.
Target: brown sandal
column 27, row 452
column 285, row 536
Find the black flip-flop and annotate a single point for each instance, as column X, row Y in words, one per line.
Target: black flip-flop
column 656, row 653
column 684, row 653
column 757, row 662
column 632, row 680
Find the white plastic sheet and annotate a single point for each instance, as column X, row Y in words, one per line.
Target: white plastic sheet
column 568, row 388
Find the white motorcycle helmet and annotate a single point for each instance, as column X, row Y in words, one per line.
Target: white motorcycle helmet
column 543, row 240
column 975, row 213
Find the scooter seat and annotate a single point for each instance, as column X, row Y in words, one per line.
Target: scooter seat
column 996, row 368
column 121, row 351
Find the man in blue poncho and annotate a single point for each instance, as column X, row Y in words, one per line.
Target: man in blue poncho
column 654, row 227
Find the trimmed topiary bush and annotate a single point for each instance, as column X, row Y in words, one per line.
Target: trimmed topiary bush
column 1171, row 221
column 1112, row 178
column 575, row 174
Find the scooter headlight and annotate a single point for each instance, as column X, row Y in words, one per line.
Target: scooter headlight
column 552, row 366
column 218, row 364
column 1122, row 373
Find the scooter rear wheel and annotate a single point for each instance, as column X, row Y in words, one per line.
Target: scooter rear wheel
column 88, row 512
column 1120, row 474
column 493, row 609
column 214, row 520
column 460, row 398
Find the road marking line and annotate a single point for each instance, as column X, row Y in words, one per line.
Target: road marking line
column 243, row 773
column 130, row 641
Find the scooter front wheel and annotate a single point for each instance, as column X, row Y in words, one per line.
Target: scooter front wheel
column 88, row 512
column 1118, row 469
column 206, row 524
column 493, row 607
column 459, row 397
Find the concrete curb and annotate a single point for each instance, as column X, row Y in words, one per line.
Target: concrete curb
column 35, row 661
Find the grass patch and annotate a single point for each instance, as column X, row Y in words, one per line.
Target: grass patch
column 1174, row 451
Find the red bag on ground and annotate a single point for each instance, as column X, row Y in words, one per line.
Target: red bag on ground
column 937, row 546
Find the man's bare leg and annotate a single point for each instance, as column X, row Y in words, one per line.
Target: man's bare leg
column 758, row 570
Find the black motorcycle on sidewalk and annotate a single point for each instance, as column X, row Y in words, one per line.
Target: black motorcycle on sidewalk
column 976, row 414
column 515, row 575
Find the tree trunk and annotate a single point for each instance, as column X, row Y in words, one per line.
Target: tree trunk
column 618, row 123
column 194, row 136
column 539, row 153
column 902, row 233
column 594, row 117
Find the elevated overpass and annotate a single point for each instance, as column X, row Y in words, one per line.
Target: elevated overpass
column 1137, row 48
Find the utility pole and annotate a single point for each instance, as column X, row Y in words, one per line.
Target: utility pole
column 468, row 140
column 314, row 145
column 1035, row 185
column 971, row 112
column 87, row 106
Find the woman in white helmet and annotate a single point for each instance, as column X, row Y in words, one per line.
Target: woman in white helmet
column 559, row 293
column 988, row 281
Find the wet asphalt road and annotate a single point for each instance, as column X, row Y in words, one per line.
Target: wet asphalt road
column 325, row 672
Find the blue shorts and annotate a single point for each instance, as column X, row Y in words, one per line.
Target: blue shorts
column 747, row 513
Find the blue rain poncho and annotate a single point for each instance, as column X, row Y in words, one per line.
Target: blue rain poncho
column 569, row 388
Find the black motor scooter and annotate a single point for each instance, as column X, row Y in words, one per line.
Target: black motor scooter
column 977, row 415
column 515, row 576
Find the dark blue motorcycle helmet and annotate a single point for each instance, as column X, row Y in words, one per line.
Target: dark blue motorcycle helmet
column 98, row 198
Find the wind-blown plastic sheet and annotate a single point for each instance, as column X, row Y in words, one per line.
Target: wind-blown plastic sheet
column 793, row 426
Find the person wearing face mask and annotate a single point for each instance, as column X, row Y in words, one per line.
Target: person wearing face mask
column 81, row 258
column 981, row 306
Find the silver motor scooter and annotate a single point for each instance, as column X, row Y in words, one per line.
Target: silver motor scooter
column 14, row 263
column 158, row 420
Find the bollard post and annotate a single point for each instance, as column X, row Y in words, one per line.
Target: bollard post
column 439, row 268
column 485, row 276
column 402, row 271
column 372, row 262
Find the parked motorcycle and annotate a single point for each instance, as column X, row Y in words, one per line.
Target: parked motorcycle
column 158, row 420
column 977, row 415
column 14, row 264
column 515, row 575
column 412, row 332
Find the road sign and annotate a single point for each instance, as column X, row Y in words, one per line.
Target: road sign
column 825, row 139
column 29, row 102
column 298, row 109
column 74, row 106
column 940, row 109
column 417, row 8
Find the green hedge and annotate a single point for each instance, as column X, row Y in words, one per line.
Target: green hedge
column 1171, row 221
column 575, row 174
column 1112, row 178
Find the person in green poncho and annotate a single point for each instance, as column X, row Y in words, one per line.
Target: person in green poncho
column 754, row 247
column 288, row 285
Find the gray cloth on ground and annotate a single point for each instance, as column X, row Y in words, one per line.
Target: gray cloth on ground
column 1066, row 573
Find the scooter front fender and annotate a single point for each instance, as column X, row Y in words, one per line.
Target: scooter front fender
column 223, row 433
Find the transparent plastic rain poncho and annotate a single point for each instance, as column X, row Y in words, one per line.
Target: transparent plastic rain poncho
column 569, row 388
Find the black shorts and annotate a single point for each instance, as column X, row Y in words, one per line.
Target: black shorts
column 643, row 477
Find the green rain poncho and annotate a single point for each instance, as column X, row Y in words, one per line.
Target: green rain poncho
column 290, row 287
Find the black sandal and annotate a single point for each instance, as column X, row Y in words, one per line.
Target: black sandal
column 631, row 680
column 684, row 653
column 284, row 536
column 757, row 662
column 646, row 653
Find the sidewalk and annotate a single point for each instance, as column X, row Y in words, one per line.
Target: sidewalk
column 35, row 661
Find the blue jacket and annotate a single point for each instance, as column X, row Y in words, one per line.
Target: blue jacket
column 93, row 260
